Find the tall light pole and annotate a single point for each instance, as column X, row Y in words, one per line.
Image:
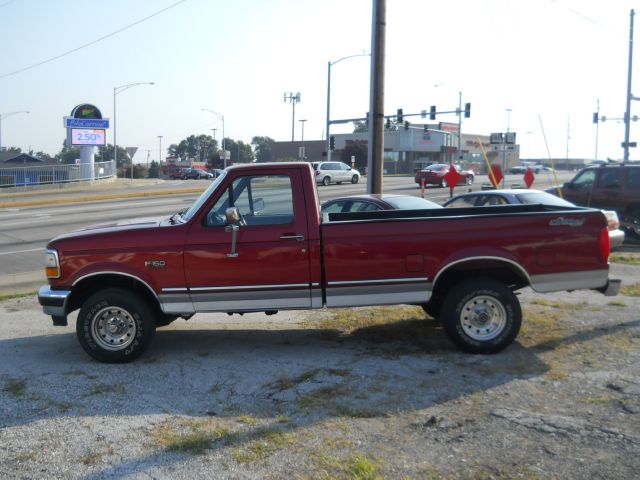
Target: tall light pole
column 4, row 115
column 329, row 64
column 116, row 91
column 302, row 123
column 293, row 98
column 160, row 152
column 627, row 112
column 221, row 117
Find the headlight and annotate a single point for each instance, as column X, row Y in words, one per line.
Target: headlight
column 51, row 264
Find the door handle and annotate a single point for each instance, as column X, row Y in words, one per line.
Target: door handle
column 292, row 236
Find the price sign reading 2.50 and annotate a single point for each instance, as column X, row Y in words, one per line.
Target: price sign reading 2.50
column 88, row 136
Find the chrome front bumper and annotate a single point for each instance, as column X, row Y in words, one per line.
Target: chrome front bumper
column 54, row 302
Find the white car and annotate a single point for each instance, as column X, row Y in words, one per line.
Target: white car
column 335, row 172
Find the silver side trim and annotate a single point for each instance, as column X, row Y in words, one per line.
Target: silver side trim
column 373, row 282
column 501, row 259
column 182, row 289
column 251, row 300
column 553, row 282
column 364, row 295
column 249, row 287
column 118, row 273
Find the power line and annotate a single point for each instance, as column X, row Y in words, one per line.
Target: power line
column 69, row 52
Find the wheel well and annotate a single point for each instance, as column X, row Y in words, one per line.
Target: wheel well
column 88, row 286
column 502, row 271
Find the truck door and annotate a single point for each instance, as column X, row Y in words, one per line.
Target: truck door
column 269, row 267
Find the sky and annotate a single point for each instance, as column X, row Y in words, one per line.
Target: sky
column 536, row 67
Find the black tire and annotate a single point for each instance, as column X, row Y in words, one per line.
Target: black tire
column 443, row 183
column 115, row 325
column 326, row 181
column 481, row 315
column 355, row 179
column 432, row 308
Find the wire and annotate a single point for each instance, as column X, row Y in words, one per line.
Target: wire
column 24, row 69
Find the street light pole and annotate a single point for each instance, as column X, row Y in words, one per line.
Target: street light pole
column 303, row 152
column 329, row 64
column 160, row 153
column 221, row 117
column 293, row 98
column 116, row 91
column 4, row 115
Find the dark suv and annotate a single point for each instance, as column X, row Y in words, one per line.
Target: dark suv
column 612, row 187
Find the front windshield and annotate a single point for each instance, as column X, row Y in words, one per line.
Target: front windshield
column 436, row 166
column 188, row 215
column 544, row 199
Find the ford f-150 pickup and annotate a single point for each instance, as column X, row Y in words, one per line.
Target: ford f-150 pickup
column 255, row 240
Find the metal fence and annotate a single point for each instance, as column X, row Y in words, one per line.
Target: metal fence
column 51, row 174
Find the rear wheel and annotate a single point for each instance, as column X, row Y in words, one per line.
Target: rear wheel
column 443, row 183
column 481, row 315
column 115, row 325
column 326, row 181
column 355, row 179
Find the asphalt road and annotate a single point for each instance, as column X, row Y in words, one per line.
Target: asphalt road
column 25, row 230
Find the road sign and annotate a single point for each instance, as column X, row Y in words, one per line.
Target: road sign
column 70, row 122
column 131, row 151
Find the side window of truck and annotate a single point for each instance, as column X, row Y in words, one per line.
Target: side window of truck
column 633, row 178
column 584, row 180
column 610, row 178
column 261, row 200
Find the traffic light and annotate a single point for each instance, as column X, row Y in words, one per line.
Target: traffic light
column 332, row 143
column 426, row 128
column 388, row 124
column 432, row 112
column 399, row 116
column 406, row 125
column 467, row 110
column 595, row 117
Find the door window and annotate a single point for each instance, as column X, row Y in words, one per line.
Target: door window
column 584, row 180
column 610, row 178
column 261, row 200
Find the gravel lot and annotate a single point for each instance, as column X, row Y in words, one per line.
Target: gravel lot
column 361, row 393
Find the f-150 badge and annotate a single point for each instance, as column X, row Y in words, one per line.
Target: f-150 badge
column 155, row 263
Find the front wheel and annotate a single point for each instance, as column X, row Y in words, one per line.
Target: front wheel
column 355, row 179
column 326, row 181
column 481, row 315
column 115, row 325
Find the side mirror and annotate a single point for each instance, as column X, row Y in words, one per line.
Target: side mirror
column 233, row 215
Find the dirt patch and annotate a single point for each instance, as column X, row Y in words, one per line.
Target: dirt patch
column 356, row 393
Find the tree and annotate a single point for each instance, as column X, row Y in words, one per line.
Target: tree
column 154, row 170
column 360, row 127
column 240, row 152
column 106, row 155
column 201, row 148
column 357, row 149
column 68, row 155
column 263, row 146
column 45, row 157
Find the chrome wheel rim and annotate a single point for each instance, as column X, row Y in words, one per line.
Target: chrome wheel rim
column 113, row 328
column 483, row 318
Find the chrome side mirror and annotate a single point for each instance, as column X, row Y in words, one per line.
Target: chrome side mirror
column 234, row 219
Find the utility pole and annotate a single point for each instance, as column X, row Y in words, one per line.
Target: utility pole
column 375, row 118
column 627, row 112
column 293, row 98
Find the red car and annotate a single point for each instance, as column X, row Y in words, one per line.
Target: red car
column 434, row 175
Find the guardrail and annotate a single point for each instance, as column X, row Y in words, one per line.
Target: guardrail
column 52, row 174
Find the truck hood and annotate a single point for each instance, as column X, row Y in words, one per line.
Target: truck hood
column 119, row 227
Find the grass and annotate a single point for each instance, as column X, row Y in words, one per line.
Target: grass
column 264, row 442
column 617, row 303
column 563, row 305
column 10, row 296
column 631, row 290
column 15, row 387
column 348, row 320
column 625, row 258
column 287, row 383
column 355, row 466
column 195, row 437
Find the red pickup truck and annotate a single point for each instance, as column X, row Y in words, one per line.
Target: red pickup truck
column 255, row 240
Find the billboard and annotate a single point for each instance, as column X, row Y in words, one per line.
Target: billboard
column 88, row 136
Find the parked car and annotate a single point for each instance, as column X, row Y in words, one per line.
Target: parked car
column 529, row 196
column 610, row 186
column 372, row 202
column 197, row 174
column 176, row 173
column 521, row 169
column 216, row 172
column 434, row 175
column 334, row 172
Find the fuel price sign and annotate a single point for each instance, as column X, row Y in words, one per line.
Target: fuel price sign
column 88, row 136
